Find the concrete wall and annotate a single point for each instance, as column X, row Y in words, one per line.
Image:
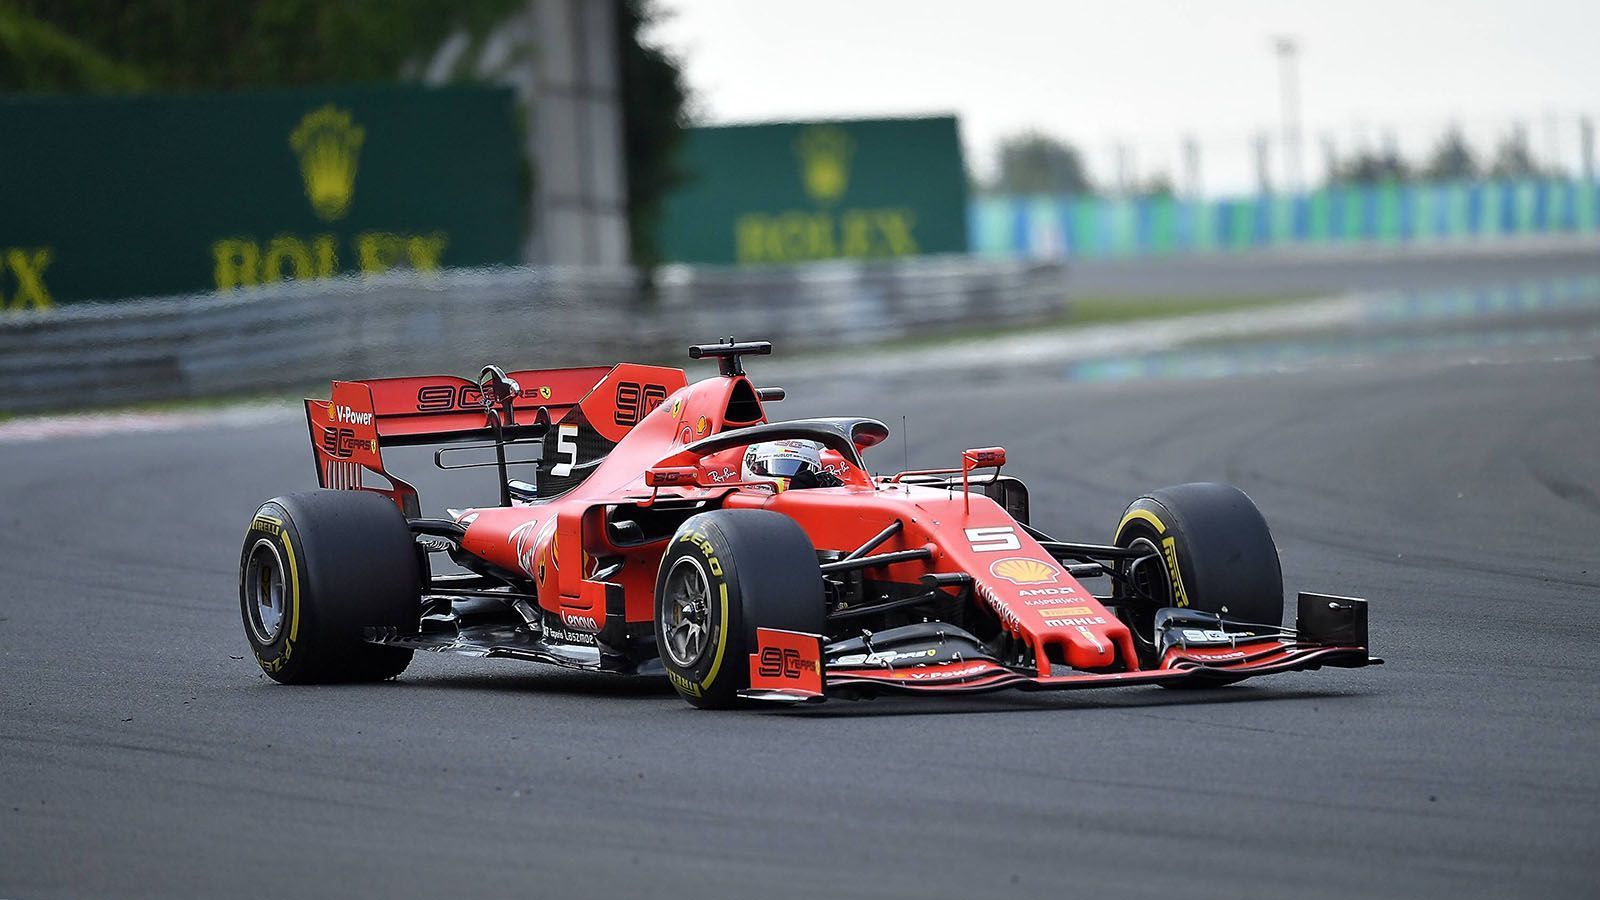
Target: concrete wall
column 579, row 214
column 561, row 58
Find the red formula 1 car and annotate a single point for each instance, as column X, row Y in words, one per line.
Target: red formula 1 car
column 667, row 530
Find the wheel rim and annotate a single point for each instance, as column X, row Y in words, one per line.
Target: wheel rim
column 1151, row 579
column 687, row 618
column 264, row 591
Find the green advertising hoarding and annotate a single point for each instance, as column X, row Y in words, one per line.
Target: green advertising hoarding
column 864, row 189
column 113, row 197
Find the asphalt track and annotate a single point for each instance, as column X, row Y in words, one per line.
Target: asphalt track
column 1336, row 269
column 143, row 755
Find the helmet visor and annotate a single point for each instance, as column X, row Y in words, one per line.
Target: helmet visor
column 785, row 466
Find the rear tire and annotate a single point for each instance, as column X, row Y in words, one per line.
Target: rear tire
column 319, row 567
column 1217, row 554
column 725, row 574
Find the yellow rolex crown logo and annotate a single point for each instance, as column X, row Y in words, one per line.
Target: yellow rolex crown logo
column 328, row 144
column 824, row 152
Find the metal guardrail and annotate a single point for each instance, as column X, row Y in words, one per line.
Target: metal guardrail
column 297, row 334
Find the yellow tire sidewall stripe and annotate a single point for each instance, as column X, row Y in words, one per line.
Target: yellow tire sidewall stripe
column 1171, row 564
column 1142, row 515
column 294, row 583
column 722, row 639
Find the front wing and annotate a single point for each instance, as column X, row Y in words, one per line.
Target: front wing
column 808, row 678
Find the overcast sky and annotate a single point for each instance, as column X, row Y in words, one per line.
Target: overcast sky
column 1145, row 72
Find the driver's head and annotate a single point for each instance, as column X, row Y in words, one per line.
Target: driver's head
column 781, row 461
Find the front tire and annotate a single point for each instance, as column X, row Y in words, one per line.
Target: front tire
column 319, row 567
column 1215, row 551
column 725, row 574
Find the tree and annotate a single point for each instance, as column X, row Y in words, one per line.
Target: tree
column 125, row 46
column 1158, row 185
column 35, row 55
column 1035, row 163
column 654, row 109
column 216, row 44
column 1371, row 167
column 1512, row 159
column 1451, row 160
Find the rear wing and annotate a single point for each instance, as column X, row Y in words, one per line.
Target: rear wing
column 349, row 430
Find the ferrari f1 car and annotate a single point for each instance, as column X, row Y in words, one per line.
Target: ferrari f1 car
column 644, row 544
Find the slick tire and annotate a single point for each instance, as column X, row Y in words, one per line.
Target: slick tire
column 1216, row 552
column 319, row 567
column 725, row 574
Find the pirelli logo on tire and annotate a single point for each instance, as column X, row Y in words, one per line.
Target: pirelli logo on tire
column 1169, row 550
column 683, row 684
column 700, row 540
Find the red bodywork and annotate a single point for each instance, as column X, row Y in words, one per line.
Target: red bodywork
column 651, row 416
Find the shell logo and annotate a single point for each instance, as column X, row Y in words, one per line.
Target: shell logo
column 1022, row 570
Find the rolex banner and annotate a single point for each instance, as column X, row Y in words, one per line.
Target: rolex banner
column 864, row 189
column 114, row 197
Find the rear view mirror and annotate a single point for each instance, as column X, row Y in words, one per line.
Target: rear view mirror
column 498, row 393
column 669, row 476
column 983, row 457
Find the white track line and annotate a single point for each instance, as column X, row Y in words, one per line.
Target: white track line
column 74, row 425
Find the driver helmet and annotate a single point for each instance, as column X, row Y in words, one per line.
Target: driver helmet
column 778, row 462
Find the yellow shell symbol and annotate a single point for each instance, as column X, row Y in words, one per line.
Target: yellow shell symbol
column 1021, row 570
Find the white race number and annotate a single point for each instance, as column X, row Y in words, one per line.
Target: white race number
column 566, row 446
column 993, row 538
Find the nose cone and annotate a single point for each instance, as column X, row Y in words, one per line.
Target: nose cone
column 1087, row 634
column 1086, row 649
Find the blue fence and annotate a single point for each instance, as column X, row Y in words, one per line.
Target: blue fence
column 1066, row 226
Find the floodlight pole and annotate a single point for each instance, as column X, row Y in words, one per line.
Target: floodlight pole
column 1288, row 50
column 1586, row 139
